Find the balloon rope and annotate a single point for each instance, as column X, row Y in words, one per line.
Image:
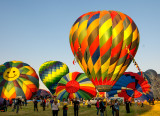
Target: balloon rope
column 77, row 56
column 133, row 59
column 74, row 60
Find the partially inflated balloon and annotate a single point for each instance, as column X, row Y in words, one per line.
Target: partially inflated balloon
column 99, row 40
column 43, row 93
column 155, row 86
column 18, row 79
column 131, row 85
column 75, row 85
column 51, row 72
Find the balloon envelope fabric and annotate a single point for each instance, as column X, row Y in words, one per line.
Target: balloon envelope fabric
column 17, row 79
column 130, row 85
column 155, row 86
column 1, row 102
column 75, row 84
column 43, row 93
column 99, row 40
column 51, row 72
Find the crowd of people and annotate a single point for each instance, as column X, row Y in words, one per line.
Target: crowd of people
column 16, row 104
column 47, row 102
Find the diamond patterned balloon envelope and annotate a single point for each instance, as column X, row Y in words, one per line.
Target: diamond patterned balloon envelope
column 17, row 79
column 51, row 72
column 75, row 84
column 98, row 41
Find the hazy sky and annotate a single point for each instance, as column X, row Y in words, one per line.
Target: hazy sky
column 35, row 31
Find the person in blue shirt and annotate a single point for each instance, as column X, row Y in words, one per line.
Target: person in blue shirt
column 116, row 105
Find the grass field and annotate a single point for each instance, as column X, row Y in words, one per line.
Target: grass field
column 147, row 110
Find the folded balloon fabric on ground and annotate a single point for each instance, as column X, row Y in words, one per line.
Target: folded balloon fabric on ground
column 18, row 79
column 131, row 85
column 154, row 80
column 75, row 84
column 43, row 93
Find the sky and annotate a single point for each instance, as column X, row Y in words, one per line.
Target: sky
column 36, row 31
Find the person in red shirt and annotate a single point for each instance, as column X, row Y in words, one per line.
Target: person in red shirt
column 10, row 103
column 97, row 106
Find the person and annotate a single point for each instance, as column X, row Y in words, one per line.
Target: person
column 5, row 105
column 10, row 102
column 13, row 104
column 97, row 106
column 89, row 104
column 113, row 108
column 127, row 106
column 55, row 108
column 51, row 101
column 43, row 104
column 142, row 104
column 47, row 102
column 76, row 107
column 116, row 105
column 153, row 101
column 102, row 107
column 35, row 102
column 131, row 102
column 65, row 107
column 136, row 102
column 25, row 101
column 139, row 102
column 83, row 102
column 18, row 104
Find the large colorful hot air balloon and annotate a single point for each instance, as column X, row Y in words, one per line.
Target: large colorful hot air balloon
column 75, row 85
column 100, row 42
column 17, row 79
column 51, row 72
column 130, row 85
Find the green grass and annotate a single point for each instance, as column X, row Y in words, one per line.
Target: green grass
column 83, row 111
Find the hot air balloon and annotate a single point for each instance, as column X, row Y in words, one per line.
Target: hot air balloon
column 155, row 86
column 17, row 79
column 145, row 76
column 75, row 85
column 51, row 72
column 43, row 93
column 100, row 42
column 130, row 85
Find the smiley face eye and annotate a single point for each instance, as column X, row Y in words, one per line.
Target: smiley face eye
column 13, row 71
column 7, row 72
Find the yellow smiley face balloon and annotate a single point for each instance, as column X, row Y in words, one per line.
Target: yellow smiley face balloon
column 11, row 74
column 18, row 79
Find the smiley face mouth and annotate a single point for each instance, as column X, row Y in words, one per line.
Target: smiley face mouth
column 11, row 77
